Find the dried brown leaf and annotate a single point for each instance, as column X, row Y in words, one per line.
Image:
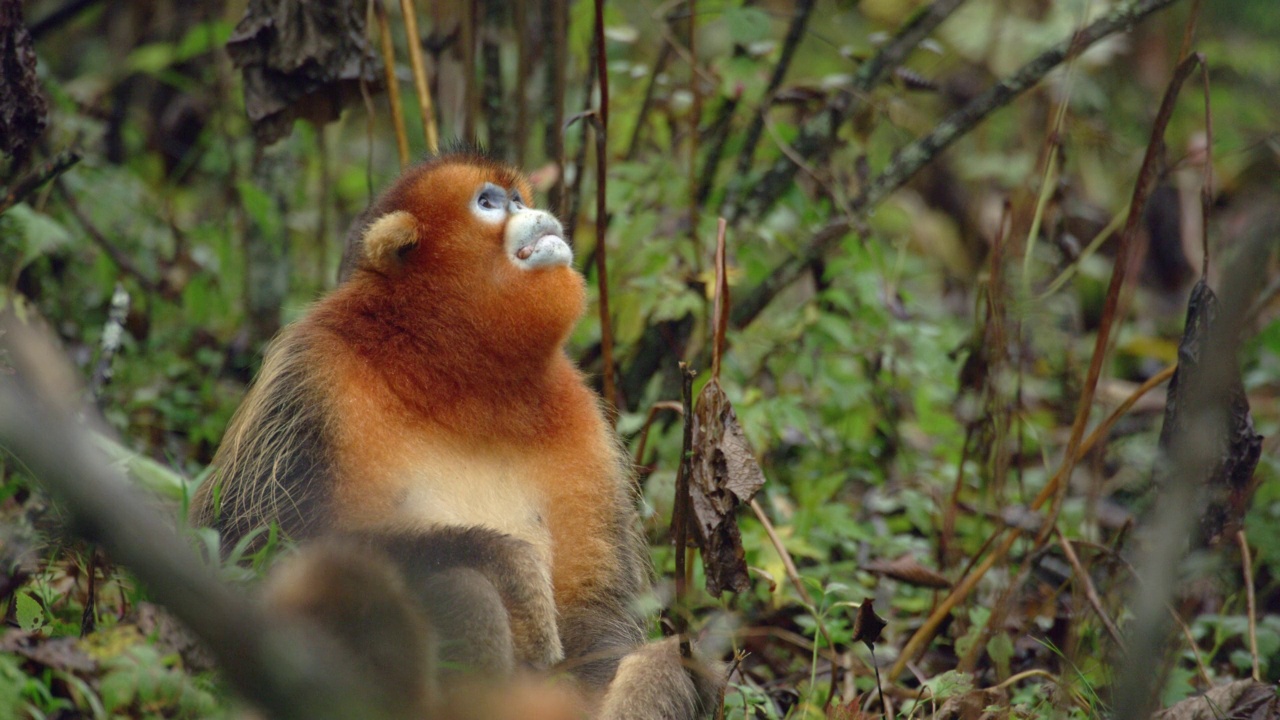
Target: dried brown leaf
column 1243, row 699
column 725, row 475
column 62, row 653
column 1229, row 488
column 867, row 625
column 906, row 569
column 300, row 60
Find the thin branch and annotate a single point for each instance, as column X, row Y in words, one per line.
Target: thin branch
column 680, row 510
column 521, row 10
column 648, row 423
column 720, row 312
column 793, row 575
column 1057, row 485
column 1246, row 565
column 556, row 60
column 1090, row 593
column 924, row 634
column 602, row 217
column 121, row 260
column 1191, row 643
column 814, row 139
column 664, row 55
column 30, row 182
column 695, row 121
column 910, row 159
column 1147, row 176
column 795, row 31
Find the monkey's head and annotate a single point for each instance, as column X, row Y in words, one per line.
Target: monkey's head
column 457, row 241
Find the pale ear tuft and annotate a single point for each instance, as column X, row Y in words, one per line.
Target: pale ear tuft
column 388, row 237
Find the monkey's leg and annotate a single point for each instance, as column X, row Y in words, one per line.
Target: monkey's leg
column 655, row 683
column 468, row 560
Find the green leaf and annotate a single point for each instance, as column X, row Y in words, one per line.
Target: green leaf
column 1000, row 648
column 30, row 614
column 203, row 38
column 747, row 24
column 36, row 233
column 150, row 59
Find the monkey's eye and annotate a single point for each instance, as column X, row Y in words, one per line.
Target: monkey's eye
column 516, row 199
column 491, row 198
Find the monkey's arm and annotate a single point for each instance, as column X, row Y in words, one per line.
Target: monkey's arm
column 468, row 578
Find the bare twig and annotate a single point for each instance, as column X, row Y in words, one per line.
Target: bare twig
column 117, row 255
column 646, row 104
column 720, row 312
column 1191, row 643
column 680, row 510
column 695, row 121
column 648, row 423
column 1191, row 455
column 972, row 575
column 521, row 98
column 420, row 76
column 467, row 44
column 393, row 84
column 556, row 56
column 1246, row 566
column 815, row 137
column 910, row 159
column 925, row 633
column 1090, row 593
column 1147, row 176
column 795, row 31
column 602, row 218
column 30, row 182
column 1105, row 426
column 790, row 566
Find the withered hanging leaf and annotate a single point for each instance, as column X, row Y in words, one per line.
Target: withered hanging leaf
column 1229, row 487
column 300, row 60
column 23, row 110
column 907, row 570
column 724, row 475
column 1240, row 699
column 867, row 625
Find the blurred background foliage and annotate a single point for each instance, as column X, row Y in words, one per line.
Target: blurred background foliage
column 887, row 421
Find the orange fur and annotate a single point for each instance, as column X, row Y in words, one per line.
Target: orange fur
column 469, row 358
column 427, row 406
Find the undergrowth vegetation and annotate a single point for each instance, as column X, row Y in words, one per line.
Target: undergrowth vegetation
column 907, row 366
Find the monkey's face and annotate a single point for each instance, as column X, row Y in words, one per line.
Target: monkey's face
column 463, row 237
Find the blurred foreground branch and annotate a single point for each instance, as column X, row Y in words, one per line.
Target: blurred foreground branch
column 1193, row 456
column 277, row 667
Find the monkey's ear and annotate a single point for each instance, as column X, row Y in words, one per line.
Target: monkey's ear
column 388, row 239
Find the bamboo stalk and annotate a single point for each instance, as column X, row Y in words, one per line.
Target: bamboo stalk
column 420, row 76
column 393, row 86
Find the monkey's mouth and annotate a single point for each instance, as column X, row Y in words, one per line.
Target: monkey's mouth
column 544, row 251
column 535, row 239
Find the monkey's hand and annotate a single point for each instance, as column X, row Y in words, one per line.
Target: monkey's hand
column 655, row 683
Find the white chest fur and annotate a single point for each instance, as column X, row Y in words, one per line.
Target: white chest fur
column 441, row 485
